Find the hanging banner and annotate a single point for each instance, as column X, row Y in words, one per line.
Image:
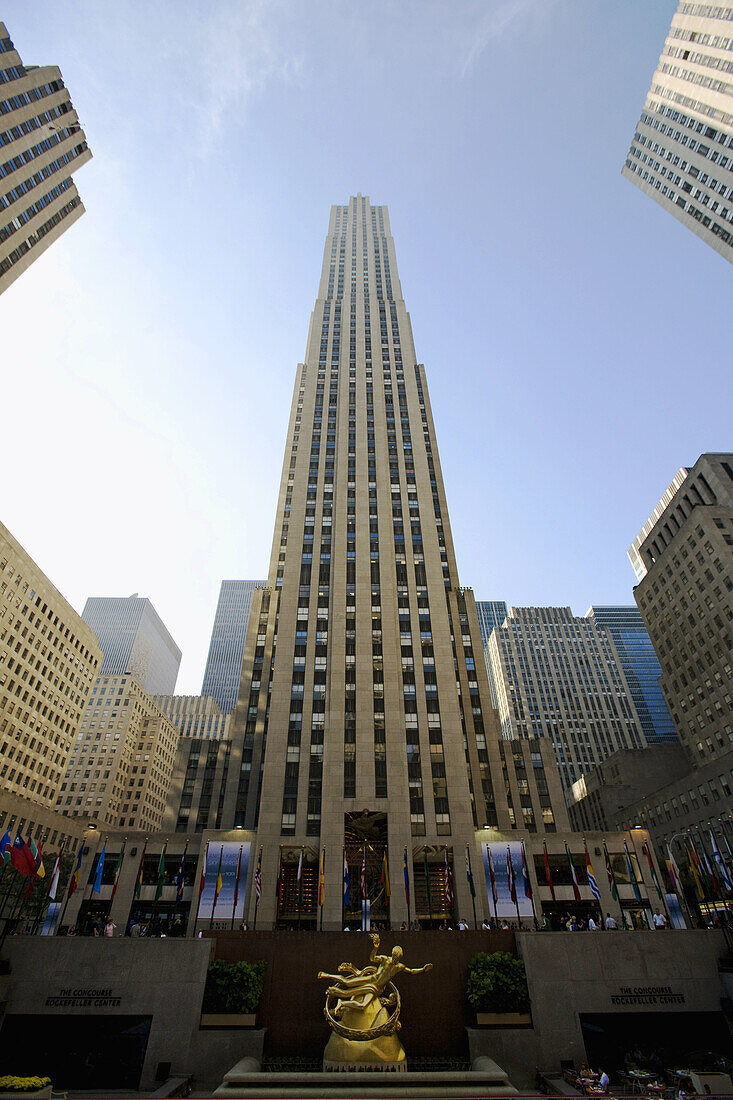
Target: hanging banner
column 229, row 853
column 505, row 907
column 675, row 911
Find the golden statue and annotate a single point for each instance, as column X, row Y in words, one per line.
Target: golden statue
column 363, row 1011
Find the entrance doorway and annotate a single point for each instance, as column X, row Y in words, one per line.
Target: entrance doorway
column 365, row 843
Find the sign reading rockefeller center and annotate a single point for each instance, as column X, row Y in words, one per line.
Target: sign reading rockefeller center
column 84, row 998
column 647, row 995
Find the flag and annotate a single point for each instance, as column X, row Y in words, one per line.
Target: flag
column 652, row 872
column 299, row 878
column 492, row 876
column 347, row 884
column 6, row 845
column 448, row 878
column 139, row 881
column 180, row 877
column 236, row 880
column 525, row 875
column 573, row 875
column 592, row 882
column 217, row 888
column 97, row 885
column 55, row 875
column 385, row 876
column 609, row 871
column 74, row 880
column 428, row 891
column 632, row 876
column 695, row 873
column 406, row 876
column 202, row 879
column 20, row 857
column 712, row 877
column 548, row 872
column 363, row 876
column 280, row 884
column 469, row 874
column 258, row 880
column 674, row 873
column 720, row 862
column 161, row 875
column 322, row 877
column 118, row 866
column 511, row 878
column 35, row 852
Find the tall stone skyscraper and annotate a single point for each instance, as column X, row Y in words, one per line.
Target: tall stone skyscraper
column 226, row 649
column 364, row 725
column 682, row 152
column 41, row 145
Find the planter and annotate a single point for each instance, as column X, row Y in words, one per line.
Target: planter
column 225, row 1019
column 39, row 1094
column 504, row 1019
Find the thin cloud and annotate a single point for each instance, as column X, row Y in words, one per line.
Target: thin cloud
column 500, row 19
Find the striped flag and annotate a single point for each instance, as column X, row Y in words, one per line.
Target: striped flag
column 609, row 871
column 511, row 878
column 406, row 877
column 180, row 877
column 219, row 882
column 548, row 872
column 322, row 878
column 74, row 880
column 469, row 874
column 55, row 875
column 652, row 872
column 592, row 882
column 118, row 865
column 448, row 877
column 385, row 876
column 363, row 876
column 258, row 879
column 632, row 875
column 573, row 875
column 492, row 877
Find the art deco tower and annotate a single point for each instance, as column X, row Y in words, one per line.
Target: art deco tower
column 364, row 711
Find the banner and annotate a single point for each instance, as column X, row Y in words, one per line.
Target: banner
column 505, row 907
column 229, row 853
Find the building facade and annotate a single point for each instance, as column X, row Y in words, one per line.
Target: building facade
column 226, row 649
column 491, row 613
column 641, row 668
column 48, row 663
column 561, row 678
column 41, row 146
column 134, row 641
column 682, row 152
column 121, row 765
column 201, row 769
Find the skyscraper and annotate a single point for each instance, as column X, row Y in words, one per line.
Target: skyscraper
column 41, row 144
column 134, row 640
column 682, row 152
column 226, row 649
column 491, row 613
column 364, row 725
column 641, row 668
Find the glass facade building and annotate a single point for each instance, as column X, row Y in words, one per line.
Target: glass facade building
column 226, row 649
column 134, row 640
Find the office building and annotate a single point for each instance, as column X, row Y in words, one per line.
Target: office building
column 599, row 800
column 491, row 613
column 226, row 650
column 120, row 768
column 134, row 641
column 201, row 768
column 682, row 152
column 641, row 668
column 48, row 662
column 41, row 146
column 561, row 677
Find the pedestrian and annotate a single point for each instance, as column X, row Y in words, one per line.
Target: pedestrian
column 403, row 926
column 611, row 925
column 603, row 1081
column 109, row 927
column 592, row 926
column 135, row 930
column 546, row 924
column 659, row 919
column 462, row 925
column 486, row 925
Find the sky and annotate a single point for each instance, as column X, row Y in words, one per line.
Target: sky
column 576, row 337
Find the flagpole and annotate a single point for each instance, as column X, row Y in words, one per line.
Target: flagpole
column 528, row 885
column 91, row 892
column 321, row 890
column 427, row 887
column 117, row 876
column 236, row 886
column 280, row 885
column 513, row 882
column 258, row 889
column 202, row 884
column 406, row 879
column 471, row 886
column 14, row 909
column 216, row 889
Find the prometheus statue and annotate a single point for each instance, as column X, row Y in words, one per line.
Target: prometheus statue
column 363, row 1011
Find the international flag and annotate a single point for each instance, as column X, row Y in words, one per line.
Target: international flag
column 236, row 881
column 280, row 884
column 712, row 877
column 55, row 874
column 202, row 878
column 511, row 878
column 6, row 845
column 406, row 876
column 573, row 875
column 609, row 871
column 347, row 884
column 139, row 880
column 525, row 875
column 299, row 877
column 492, row 876
column 652, row 871
column 161, row 875
column 469, row 874
column 20, row 857
column 592, row 882
column 118, row 867
column 74, row 880
column 695, row 872
column 632, row 876
column 97, row 885
column 548, row 872
column 35, row 852
column 385, row 876
column 674, row 873
column 720, row 862
column 322, row 877
column 219, row 883
column 428, row 891
column 258, row 879
column 180, row 876
column 448, row 878
column 363, row 875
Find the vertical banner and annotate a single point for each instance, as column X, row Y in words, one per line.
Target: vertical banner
column 501, row 852
column 674, row 909
column 229, row 852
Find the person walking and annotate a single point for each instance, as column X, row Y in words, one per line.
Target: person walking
column 611, row 925
column 659, row 919
column 109, row 927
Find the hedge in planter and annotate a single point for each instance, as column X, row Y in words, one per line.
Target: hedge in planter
column 497, row 983
column 234, row 987
column 10, row 1083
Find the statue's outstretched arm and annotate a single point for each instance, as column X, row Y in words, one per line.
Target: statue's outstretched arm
column 418, row 969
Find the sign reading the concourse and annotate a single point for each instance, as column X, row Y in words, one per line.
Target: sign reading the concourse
column 84, row 998
column 647, row 995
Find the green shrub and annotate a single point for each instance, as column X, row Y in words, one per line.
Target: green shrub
column 497, row 983
column 234, row 987
column 23, row 1084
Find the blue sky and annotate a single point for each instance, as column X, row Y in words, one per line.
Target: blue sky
column 576, row 337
